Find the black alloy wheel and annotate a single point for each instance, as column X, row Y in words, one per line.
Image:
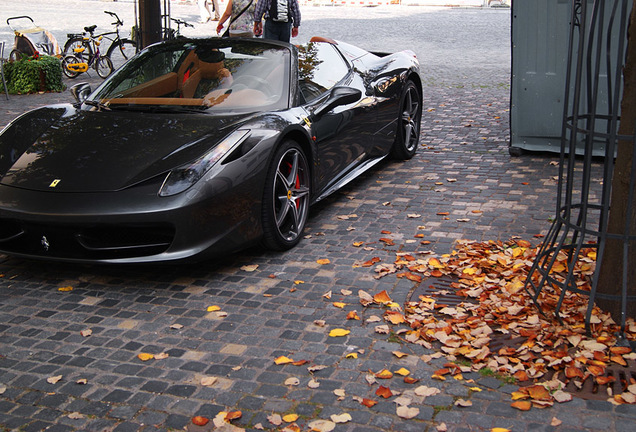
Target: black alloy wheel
column 286, row 197
column 409, row 117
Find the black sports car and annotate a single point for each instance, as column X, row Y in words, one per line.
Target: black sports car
column 201, row 147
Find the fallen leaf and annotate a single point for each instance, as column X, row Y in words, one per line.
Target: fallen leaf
column 323, row 261
column 339, row 332
column 353, row 315
column 399, row 354
column 426, row 391
column 145, row 356
column 339, row 304
column 290, row 418
column 382, row 297
column 162, row 356
column 341, row 418
column 463, row 403
column 384, row 374
column 555, row 422
column 403, row 372
column 65, row 289
column 275, row 419
column 86, row 332
column 81, row 381
column 340, row 393
column 283, row 360
column 232, row 415
column 321, row 426
column 176, row 326
column 382, row 329
column 200, row 420
column 499, row 429
column 54, row 379
column 384, row 392
column 208, row 381
column 75, row 416
column 213, row 308
column 522, row 405
column 249, row 268
column 300, row 362
column 313, row 384
column 293, row 381
column 352, row 355
column 406, row 412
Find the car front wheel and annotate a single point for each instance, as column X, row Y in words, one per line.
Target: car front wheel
column 286, row 197
column 409, row 117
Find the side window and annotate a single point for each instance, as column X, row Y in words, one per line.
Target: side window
column 320, row 67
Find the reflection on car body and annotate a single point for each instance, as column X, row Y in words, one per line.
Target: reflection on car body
column 200, row 147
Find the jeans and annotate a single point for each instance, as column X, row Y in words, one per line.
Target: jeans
column 277, row 30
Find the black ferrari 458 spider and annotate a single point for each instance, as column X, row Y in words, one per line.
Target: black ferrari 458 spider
column 201, row 147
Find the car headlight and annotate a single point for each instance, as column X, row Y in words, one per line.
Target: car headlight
column 180, row 179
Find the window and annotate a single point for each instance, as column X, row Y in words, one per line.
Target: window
column 320, row 67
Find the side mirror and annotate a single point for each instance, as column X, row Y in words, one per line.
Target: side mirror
column 81, row 91
column 338, row 96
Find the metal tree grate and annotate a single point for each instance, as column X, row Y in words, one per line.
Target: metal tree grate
column 597, row 52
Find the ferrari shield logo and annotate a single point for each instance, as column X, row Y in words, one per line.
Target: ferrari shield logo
column 55, row 183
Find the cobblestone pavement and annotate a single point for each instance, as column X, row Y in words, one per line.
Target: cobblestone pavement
column 270, row 313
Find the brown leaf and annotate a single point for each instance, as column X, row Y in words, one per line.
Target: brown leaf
column 406, row 412
column 384, row 374
column 232, row 415
column 384, row 392
column 522, row 405
column 200, row 420
column 353, row 315
column 382, row 297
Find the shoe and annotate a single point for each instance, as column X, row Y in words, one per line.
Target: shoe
column 216, row 18
column 204, row 21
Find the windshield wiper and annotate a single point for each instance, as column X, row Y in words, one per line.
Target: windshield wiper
column 98, row 105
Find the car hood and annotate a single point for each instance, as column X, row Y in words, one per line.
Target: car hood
column 90, row 151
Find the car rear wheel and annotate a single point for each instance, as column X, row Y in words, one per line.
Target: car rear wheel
column 409, row 117
column 286, row 197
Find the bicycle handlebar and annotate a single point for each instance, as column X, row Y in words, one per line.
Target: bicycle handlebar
column 119, row 22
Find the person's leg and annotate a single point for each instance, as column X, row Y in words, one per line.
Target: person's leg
column 269, row 30
column 284, row 32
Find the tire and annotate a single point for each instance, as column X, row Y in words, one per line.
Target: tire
column 69, row 59
column 104, row 67
column 407, row 136
column 286, row 197
column 77, row 42
column 120, row 51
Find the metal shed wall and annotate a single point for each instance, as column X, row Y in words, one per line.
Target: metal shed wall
column 540, row 39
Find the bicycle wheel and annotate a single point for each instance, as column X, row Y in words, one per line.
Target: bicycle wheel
column 66, row 60
column 104, row 67
column 77, row 42
column 120, row 51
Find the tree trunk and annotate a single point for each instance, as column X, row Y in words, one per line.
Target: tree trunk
column 612, row 265
column 149, row 22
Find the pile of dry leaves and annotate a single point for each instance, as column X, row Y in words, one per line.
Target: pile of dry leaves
column 541, row 352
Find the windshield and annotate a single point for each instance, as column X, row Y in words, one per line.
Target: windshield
column 216, row 74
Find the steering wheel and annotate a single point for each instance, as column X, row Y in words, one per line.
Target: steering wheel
column 254, row 82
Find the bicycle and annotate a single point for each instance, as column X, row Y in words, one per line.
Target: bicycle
column 120, row 49
column 79, row 62
column 169, row 33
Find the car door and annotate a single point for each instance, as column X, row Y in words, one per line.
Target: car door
column 342, row 136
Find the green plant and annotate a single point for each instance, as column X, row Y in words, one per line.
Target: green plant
column 32, row 74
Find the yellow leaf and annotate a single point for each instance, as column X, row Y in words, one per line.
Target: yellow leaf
column 339, row 332
column 283, row 360
column 476, row 389
column 214, row 308
column 469, row 270
column 298, row 282
column 339, row 304
column 499, row 430
column 65, row 289
column 399, row 354
column 145, row 356
column 352, row 355
column 384, row 374
column 323, row 261
column 403, row 372
column 290, row 418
